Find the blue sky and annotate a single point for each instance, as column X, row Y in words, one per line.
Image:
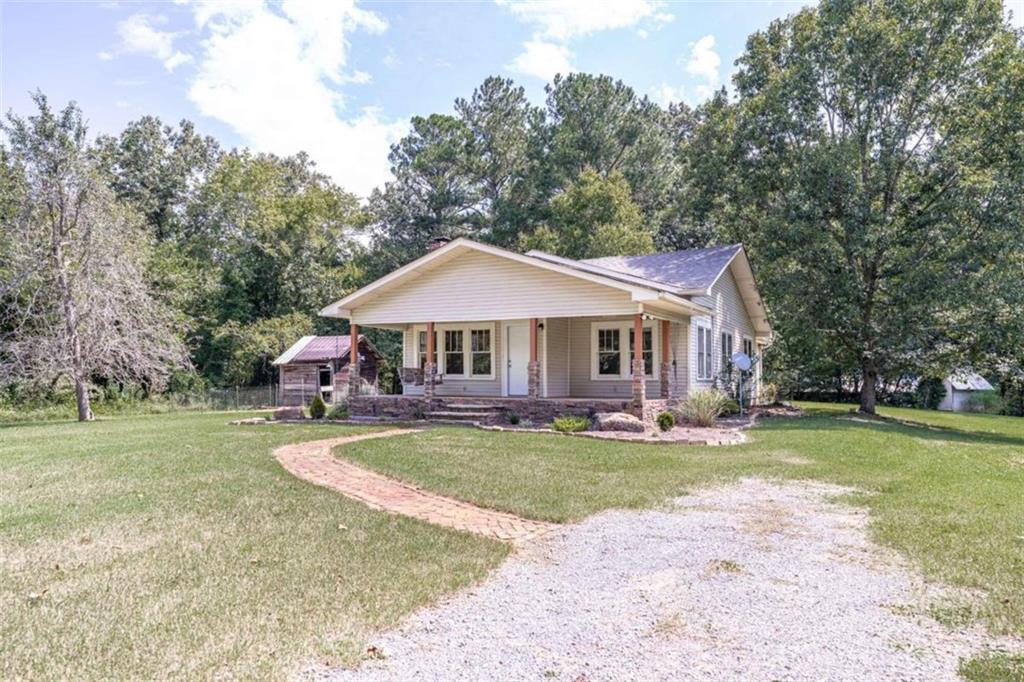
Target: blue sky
column 341, row 79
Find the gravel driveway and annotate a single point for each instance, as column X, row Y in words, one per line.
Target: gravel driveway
column 755, row 581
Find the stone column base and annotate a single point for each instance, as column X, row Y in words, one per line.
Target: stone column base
column 533, row 380
column 429, row 374
column 666, row 380
column 353, row 379
column 639, row 385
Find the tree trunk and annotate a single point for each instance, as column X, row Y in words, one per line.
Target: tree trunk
column 82, row 399
column 867, row 387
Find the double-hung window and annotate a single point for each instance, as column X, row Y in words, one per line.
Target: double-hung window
column 748, row 348
column 726, row 351
column 421, row 345
column 482, row 362
column 648, row 350
column 609, row 352
column 704, row 353
column 454, row 356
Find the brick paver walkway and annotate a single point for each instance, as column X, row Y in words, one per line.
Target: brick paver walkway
column 314, row 462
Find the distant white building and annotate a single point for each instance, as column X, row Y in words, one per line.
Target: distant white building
column 960, row 386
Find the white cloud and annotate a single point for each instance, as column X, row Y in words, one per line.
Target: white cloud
column 557, row 22
column 666, row 94
column 543, row 60
column 275, row 77
column 704, row 61
column 564, row 19
column 139, row 35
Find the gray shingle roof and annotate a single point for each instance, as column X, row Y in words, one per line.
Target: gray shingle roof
column 691, row 270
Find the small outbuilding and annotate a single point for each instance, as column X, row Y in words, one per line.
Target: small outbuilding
column 960, row 386
column 320, row 364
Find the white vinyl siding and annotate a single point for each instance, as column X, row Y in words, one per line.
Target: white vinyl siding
column 479, row 286
column 555, row 368
column 730, row 318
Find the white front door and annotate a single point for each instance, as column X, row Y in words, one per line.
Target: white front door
column 517, row 350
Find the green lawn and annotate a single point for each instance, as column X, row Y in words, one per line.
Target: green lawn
column 946, row 491
column 176, row 546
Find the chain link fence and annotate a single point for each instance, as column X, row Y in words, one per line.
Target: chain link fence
column 258, row 397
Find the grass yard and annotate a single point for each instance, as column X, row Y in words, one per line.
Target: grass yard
column 947, row 490
column 176, row 546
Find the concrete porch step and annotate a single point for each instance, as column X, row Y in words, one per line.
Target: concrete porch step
column 470, row 407
column 467, row 416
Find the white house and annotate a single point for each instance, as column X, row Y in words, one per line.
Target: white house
column 484, row 328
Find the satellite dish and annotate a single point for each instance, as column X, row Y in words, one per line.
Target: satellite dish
column 742, row 361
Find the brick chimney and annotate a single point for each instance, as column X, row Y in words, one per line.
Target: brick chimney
column 437, row 243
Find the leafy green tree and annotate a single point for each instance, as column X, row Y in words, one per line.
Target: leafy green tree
column 432, row 195
column 248, row 349
column 157, row 169
column 877, row 150
column 594, row 217
column 278, row 235
column 503, row 157
column 599, row 123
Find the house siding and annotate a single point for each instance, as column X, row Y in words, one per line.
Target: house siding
column 556, row 356
column 730, row 317
column 475, row 286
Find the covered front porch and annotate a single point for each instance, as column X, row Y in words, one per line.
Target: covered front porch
column 536, row 367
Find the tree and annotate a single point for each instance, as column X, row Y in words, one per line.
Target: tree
column 157, row 170
column 80, row 308
column 503, row 156
column 277, row 236
column 876, row 156
column 594, row 217
column 599, row 123
column 433, row 193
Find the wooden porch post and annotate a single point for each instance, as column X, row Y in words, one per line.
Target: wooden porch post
column 353, row 361
column 430, row 367
column 533, row 368
column 666, row 362
column 639, row 378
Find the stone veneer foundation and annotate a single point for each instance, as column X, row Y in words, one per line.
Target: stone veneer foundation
column 543, row 410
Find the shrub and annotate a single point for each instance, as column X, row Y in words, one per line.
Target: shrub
column 570, row 423
column 730, row 407
column 513, row 419
column 666, row 420
column 769, row 393
column 988, row 402
column 930, row 393
column 704, row 407
column 317, row 407
column 339, row 411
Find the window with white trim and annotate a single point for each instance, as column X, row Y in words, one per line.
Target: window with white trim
column 726, row 348
column 748, row 348
column 611, row 350
column 454, row 354
column 482, row 362
column 704, row 352
column 648, row 350
column 609, row 353
column 421, row 345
